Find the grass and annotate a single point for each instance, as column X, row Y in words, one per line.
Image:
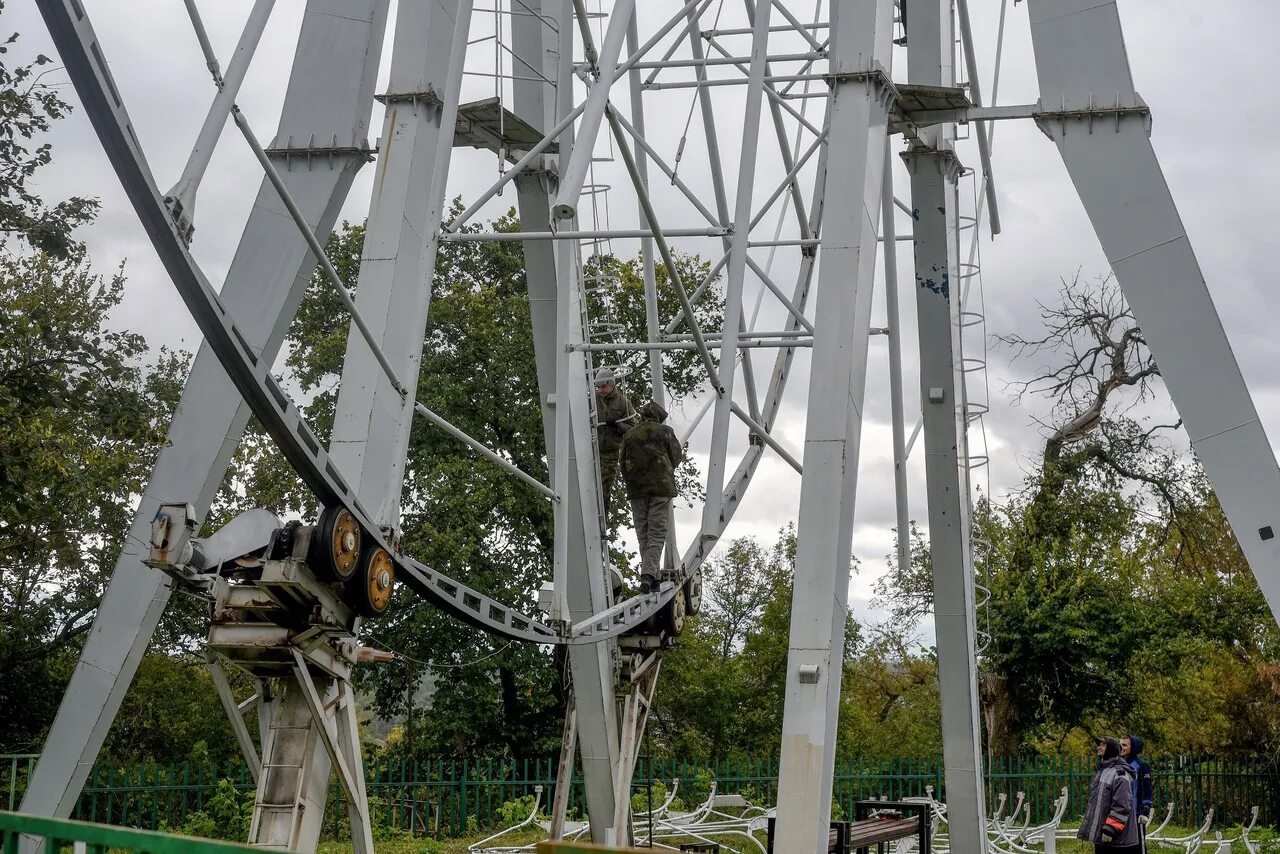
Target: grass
column 1270, row 844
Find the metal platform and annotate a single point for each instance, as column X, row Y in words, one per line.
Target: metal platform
column 488, row 125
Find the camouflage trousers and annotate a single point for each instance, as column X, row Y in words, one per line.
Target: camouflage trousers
column 651, row 516
column 608, row 477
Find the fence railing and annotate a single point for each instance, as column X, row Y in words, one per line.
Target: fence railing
column 448, row 797
column 15, row 770
column 54, row 833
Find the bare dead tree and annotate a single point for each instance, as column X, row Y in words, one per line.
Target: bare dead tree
column 1101, row 368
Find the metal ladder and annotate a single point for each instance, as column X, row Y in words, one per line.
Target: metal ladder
column 286, row 806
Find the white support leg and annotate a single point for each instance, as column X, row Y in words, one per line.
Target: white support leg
column 860, row 58
column 553, row 278
column 307, row 739
column 372, row 420
column 587, row 591
column 933, row 192
column 339, row 737
column 1115, row 171
column 564, row 771
column 328, row 97
column 897, row 418
column 234, row 714
column 935, row 173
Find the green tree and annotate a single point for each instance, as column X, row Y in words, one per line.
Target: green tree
column 28, row 106
column 724, row 685
column 889, row 701
column 1062, row 615
column 705, row 683
column 171, row 712
column 83, row 412
column 1117, row 592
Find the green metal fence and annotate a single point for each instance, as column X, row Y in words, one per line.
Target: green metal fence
column 446, row 797
column 55, row 833
column 15, row 770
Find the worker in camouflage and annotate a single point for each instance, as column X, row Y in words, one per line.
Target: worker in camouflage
column 648, row 458
column 614, row 417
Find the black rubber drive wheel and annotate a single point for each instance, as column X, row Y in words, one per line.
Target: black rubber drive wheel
column 693, row 593
column 676, row 614
column 335, row 545
column 369, row 589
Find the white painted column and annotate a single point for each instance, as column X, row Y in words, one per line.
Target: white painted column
column 372, row 420
column 860, row 55
column 935, row 173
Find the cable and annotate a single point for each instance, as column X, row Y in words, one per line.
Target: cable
column 693, row 102
column 431, row 664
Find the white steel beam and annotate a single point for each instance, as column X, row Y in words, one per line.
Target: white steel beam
column 552, row 274
column 1124, row 192
column 653, row 323
column 564, row 122
column 737, row 272
column 328, row 96
column 373, row 418
column 935, row 175
column 975, row 93
column 235, row 713
column 182, row 198
column 716, row 165
column 858, row 126
column 575, row 169
column 699, row 550
column 894, row 331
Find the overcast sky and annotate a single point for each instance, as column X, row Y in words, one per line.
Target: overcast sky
column 1206, row 68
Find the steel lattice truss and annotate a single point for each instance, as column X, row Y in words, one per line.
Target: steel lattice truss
column 820, row 104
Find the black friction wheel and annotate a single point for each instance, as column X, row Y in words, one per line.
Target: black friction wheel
column 693, row 593
column 335, row 545
column 676, row 614
column 369, row 590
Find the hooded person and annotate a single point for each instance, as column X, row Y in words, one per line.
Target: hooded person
column 648, row 458
column 1143, row 781
column 614, row 417
column 1109, row 818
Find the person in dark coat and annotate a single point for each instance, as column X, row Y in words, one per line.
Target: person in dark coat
column 1143, row 781
column 614, row 417
column 648, row 458
column 1109, row 818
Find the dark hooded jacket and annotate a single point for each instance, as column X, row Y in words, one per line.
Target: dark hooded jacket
column 649, row 455
column 1143, row 781
column 614, row 418
column 1109, row 819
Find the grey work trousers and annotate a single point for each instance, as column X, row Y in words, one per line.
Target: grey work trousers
column 650, row 516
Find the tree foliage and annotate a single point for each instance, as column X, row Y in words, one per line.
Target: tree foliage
column 28, row 106
column 1118, row 598
column 83, row 412
column 723, row 687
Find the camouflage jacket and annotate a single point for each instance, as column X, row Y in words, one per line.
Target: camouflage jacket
column 649, row 456
column 614, row 417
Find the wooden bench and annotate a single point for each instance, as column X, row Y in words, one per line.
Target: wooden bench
column 877, row 823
